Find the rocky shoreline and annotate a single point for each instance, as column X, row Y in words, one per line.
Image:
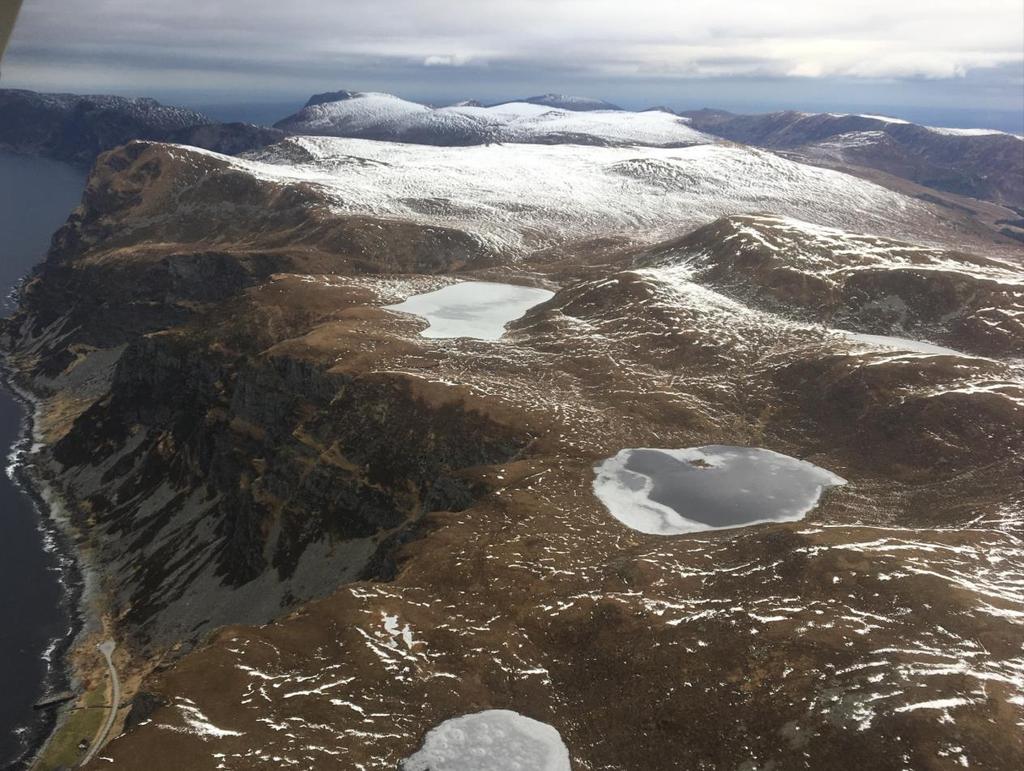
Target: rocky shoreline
column 76, row 573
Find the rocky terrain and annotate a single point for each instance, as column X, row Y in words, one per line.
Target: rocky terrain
column 75, row 129
column 318, row 534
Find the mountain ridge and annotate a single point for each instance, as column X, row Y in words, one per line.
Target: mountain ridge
column 980, row 163
column 549, row 119
column 76, row 128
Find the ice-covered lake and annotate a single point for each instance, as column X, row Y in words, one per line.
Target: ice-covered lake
column 494, row 740
column 667, row 492
column 477, row 309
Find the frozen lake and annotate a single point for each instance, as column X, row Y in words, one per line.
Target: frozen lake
column 494, row 740
column 476, row 309
column 667, row 492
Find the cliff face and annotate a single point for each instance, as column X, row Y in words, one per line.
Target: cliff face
column 76, row 129
column 224, row 486
column 334, row 533
column 219, row 481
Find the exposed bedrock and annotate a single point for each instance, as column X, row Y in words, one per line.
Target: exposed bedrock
column 936, row 413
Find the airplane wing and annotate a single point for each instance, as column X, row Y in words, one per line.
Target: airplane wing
column 8, row 13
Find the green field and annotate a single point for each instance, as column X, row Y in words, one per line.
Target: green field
column 82, row 723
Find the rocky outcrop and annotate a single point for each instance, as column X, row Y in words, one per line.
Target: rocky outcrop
column 329, row 96
column 574, row 103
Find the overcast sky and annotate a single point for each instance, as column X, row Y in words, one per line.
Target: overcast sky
column 939, row 55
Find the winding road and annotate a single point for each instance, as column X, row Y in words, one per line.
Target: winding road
column 107, row 649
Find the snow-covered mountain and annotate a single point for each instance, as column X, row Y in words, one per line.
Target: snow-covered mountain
column 508, row 195
column 980, row 163
column 542, row 120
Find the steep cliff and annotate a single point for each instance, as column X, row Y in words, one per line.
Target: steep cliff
column 216, row 479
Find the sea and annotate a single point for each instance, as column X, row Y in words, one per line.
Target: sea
column 36, row 196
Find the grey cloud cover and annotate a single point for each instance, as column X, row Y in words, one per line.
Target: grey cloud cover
column 432, row 46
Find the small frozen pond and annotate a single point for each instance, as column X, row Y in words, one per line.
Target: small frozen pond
column 667, row 492
column 899, row 343
column 494, row 740
column 476, row 309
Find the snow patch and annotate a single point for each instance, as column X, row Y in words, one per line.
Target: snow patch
column 543, row 119
column 899, row 343
column 199, row 724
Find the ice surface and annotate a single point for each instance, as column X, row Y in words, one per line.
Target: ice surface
column 667, row 492
column 477, row 309
column 494, row 740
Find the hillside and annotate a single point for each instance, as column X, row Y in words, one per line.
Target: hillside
column 319, row 534
column 979, row 163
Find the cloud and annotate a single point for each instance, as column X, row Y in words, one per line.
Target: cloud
column 446, row 60
column 270, row 42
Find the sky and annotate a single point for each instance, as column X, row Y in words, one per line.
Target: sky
column 922, row 59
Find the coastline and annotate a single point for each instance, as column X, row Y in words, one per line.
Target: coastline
column 77, row 577
column 38, row 194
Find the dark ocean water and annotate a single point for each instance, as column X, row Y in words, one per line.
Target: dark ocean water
column 36, row 196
